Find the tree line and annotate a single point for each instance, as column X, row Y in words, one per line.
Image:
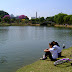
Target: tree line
column 60, row 18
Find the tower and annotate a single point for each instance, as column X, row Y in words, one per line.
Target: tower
column 36, row 14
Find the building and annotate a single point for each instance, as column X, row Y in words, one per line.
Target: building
column 36, row 14
column 32, row 18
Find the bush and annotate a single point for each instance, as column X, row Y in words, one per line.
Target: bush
column 6, row 18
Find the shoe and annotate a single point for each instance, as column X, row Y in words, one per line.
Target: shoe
column 43, row 58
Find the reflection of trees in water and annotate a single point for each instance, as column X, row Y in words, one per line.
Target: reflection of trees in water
column 3, row 34
column 3, row 59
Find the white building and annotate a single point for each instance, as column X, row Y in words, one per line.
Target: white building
column 32, row 18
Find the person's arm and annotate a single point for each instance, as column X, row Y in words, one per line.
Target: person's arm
column 46, row 50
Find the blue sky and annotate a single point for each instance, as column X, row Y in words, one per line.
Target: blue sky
column 44, row 8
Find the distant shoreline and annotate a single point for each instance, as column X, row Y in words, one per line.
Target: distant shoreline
column 26, row 24
column 67, row 26
column 18, row 24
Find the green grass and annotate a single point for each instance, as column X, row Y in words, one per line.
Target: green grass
column 48, row 66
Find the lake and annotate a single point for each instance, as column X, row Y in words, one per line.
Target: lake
column 23, row 45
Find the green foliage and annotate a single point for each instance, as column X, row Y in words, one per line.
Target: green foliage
column 42, row 19
column 13, row 20
column 26, row 21
column 67, row 19
column 26, row 18
column 18, row 21
column 33, row 21
column 59, row 18
column 50, row 19
column 3, row 13
column 71, row 19
column 7, row 20
column 37, row 20
column 0, row 19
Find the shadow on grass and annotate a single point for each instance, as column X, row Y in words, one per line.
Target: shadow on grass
column 57, row 59
column 62, row 57
column 64, row 65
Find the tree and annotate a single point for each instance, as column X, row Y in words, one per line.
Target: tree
column 67, row 19
column 13, row 19
column 37, row 20
column 42, row 19
column 71, row 19
column 33, row 21
column 23, row 17
column 3, row 13
column 59, row 18
column 6, row 18
column 26, row 21
column 0, row 19
column 50, row 19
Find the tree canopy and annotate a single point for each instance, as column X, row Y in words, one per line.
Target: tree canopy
column 59, row 18
column 3, row 13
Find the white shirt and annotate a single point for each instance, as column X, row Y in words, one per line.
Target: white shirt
column 58, row 48
column 54, row 53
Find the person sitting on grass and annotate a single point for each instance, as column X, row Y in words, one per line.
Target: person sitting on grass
column 51, row 52
column 57, row 46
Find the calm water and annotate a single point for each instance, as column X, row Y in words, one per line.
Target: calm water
column 23, row 45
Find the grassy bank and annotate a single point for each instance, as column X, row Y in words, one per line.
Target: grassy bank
column 47, row 65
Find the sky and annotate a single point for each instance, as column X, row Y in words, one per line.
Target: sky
column 44, row 8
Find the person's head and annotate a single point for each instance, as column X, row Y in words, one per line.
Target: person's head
column 50, row 45
column 55, row 43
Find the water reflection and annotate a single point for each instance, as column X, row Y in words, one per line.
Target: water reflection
column 3, row 59
column 3, row 34
column 22, row 45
